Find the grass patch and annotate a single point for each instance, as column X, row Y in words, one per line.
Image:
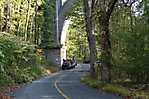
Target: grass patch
column 91, row 82
column 115, row 89
column 51, row 67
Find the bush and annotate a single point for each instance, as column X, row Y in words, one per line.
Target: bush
column 5, row 80
column 19, row 61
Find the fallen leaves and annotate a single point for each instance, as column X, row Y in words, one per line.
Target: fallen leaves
column 5, row 92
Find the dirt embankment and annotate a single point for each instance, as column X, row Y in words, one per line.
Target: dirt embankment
column 6, row 93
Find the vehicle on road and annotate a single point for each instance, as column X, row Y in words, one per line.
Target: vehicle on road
column 68, row 64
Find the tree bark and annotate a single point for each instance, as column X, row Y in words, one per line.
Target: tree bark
column 17, row 28
column 6, row 26
column 35, row 32
column 105, row 52
column 106, row 55
column 27, row 20
column 91, row 39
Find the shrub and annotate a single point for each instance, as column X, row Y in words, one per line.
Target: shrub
column 19, row 61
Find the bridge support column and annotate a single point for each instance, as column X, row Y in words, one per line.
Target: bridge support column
column 58, row 53
column 52, row 55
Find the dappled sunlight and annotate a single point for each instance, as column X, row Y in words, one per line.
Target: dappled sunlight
column 74, row 49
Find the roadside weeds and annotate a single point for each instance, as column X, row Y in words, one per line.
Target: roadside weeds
column 117, row 89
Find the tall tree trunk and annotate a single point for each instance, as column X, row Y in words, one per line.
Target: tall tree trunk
column 1, row 19
column 105, row 51
column 106, row 55
column 27, row 20
column 90, row 35
column 35, row 32
column 38, row 35
column 18, row 21
column 29, row 29
column 6, row 27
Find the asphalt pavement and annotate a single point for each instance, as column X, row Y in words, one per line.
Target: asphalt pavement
column 62, row 85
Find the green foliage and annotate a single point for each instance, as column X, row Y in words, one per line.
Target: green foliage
column 5, row 79
column 33, row 20
column 114, row 88
column 19, row 61
column 77, row 38
column 129, row 30
column 130, row 46
column 77, row 43
column 94, row 83
column 50, row 66
column 48, row 27
column 26, row 22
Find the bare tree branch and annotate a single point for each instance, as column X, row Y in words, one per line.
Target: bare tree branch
column 125, row 2
column 132, row 2
column 111, row 7
column 128, row 3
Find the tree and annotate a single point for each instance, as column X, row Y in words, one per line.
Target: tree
column 48, row 24
column 6, row 26
column 103, row 14
column 77, row 38
column 88, row 10
column 129, row 42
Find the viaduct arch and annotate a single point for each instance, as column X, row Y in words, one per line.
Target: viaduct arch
column 58, row 53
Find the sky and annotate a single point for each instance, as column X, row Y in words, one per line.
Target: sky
column 63, row 1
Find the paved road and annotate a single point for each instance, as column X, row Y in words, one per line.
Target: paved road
column 62, row 85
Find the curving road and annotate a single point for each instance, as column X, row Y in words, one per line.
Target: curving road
column 62, row 85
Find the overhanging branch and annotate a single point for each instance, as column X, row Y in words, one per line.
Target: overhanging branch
column 111, row 7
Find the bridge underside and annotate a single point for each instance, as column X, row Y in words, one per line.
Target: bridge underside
column 57, row 53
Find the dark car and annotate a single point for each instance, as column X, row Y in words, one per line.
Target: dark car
column 68, row 64
column 65, row 65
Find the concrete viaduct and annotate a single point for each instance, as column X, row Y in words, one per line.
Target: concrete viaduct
column 57, row 54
